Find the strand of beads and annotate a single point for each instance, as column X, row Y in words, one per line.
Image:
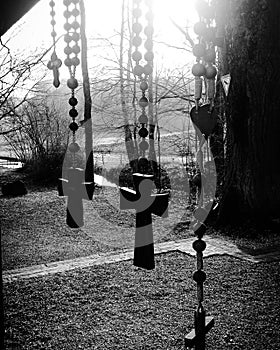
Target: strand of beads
column 55, row 63
column 72, row 61
column 143, row 72
column 205, row 53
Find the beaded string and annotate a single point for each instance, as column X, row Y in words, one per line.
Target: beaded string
column 143, row 72
column 205, row 54
column 55, row 63
column 72, row 61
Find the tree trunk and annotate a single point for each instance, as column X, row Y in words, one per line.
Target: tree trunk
column 252, row 176
column 89, row 171
column 129, row 143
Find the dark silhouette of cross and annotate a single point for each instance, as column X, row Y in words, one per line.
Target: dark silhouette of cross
column 145, row 203
column 76, row 189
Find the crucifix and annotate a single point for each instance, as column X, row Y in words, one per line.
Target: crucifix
column 145, row 203
column 76, row 189
column 74, row 185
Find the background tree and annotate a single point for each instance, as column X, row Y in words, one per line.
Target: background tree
column 15, row 77
column 38, row 136
column 252, row 187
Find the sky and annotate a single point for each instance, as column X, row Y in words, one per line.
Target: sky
column 32, row 32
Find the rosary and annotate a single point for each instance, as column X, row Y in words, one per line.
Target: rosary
column 74, row 185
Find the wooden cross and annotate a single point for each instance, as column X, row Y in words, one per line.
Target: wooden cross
column 196, row 338
column 76, row 189
column 145, row 203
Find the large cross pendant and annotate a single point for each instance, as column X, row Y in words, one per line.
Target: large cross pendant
column 76, row 189
column 145, row 203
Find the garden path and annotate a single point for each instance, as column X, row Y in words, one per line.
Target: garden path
column 215, row 246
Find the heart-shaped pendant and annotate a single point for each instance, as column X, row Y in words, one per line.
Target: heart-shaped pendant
column 204, row 119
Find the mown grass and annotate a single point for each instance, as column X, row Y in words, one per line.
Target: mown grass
column 118, row 306
column 34, row 229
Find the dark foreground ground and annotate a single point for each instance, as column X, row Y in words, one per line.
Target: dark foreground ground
column 117, row 306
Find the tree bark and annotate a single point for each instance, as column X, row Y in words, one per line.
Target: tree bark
column 252, row 186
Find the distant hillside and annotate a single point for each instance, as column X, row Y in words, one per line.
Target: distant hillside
column 106, row 112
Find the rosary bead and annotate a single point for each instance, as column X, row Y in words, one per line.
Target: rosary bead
column 74, row 147
column 199, row 50
column 67, row 38
column 76, row 49
column 53, row 34
column 138, row 70
column 53, row 22
column 148, row 69
column 73, row 126
column 67, row 14
column 66, row 2
column 67, row 26
column 75, row 1
column 144, row 85
column 75, row 36
column 199, row 276
column 143, row 132
column 137, row 13
column 143, row 119
column 72, row 83
column 52, row 13
column 73, row 113
column 210, row 72
column 143, row 102
column 200, row 28
column 75, row 25
column 136, row 41
column 149, row 30
column 68, row 62
column 67, row 50
column 149, row 56
column 199, row 245
column 73, row 101
column 198, row 69
column 75, row 61
column 136, row 28
column 136, row 56
column 75, row 12
column 143, row 145
column 148, row 44
column 52, row 3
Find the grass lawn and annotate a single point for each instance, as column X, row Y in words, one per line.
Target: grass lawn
column 118, row 306
column 34, row 229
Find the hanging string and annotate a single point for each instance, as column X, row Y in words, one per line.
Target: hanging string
column 71, row 62
column 142, row 72
column 55, row 63
column 158, row 138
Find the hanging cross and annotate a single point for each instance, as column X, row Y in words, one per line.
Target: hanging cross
column 145, row 203
column 76, row 189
